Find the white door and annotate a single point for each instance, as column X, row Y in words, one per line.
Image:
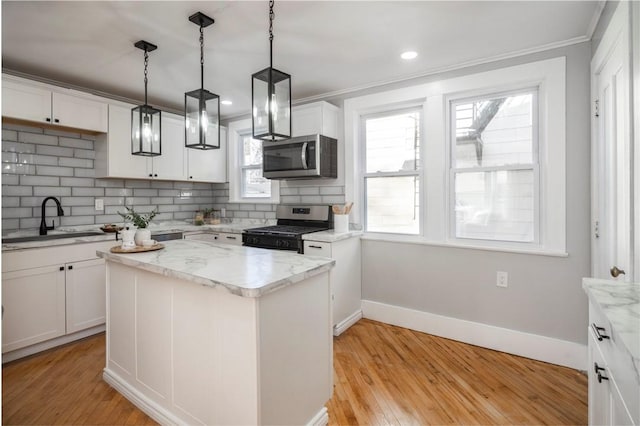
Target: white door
column 611, row 139
column 85, row 294
column 171, row 164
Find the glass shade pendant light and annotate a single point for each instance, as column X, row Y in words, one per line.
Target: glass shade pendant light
column 145, row 119
column 271, row 98
column 201, row 107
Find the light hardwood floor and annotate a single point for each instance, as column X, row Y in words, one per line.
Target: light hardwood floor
column 383, row 375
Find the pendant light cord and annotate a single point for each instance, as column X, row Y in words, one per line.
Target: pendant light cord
column 146, row 64
column 271, row 16
column 201, row 58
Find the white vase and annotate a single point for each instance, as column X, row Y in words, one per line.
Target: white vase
column 141, row 235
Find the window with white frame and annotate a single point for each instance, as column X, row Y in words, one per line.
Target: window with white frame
column 253, row 184
column 494, row 167
column 246, row 183
column 392, row 172
column 479, row 162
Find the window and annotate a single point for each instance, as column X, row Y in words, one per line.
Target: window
column 473, row 161
column 494, row 167
column 253, row 184
column 246, row 184
column 392, row 172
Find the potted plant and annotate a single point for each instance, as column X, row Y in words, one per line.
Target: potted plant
column 141, row 222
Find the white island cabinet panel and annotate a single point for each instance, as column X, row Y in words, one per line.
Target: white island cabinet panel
column 207, row 333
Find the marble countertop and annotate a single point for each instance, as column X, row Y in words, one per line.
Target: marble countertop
column 331, row 236
column 620, row 302
column 235, row 227
column 244, row 271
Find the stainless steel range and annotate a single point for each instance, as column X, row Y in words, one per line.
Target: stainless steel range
column 293, row 222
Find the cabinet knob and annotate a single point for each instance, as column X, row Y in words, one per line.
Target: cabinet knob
column 190, row 177
column 615, row 271
column 48, row 119
column 56, row 120
column 70, row 267
column 150, row 175
column 62, row 268
column 155, row 175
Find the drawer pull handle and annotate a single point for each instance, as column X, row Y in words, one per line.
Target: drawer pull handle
column 231, row 238
column 318, row 247
column 598, row 330
column 597, row 370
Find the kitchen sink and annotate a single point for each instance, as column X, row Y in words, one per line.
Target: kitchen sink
column 50, row 237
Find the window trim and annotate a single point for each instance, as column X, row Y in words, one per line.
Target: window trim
column 534, row 166
column 548, row 75
column 417, row 173
column 237, row 131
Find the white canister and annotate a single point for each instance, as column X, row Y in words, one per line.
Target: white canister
column 340, row 223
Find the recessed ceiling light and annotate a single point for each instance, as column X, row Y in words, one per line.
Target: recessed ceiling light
column 226, row 102
column 409, row 55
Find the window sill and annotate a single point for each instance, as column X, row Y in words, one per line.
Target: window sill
column 416, row 239
column 253, row 201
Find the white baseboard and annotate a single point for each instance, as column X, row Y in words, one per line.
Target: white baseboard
column 145, row 404
column 541, row 348
column 320, row 419
column 48, row 344
column 340, row 328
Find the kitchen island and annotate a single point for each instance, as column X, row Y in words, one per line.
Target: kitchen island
column 206, row 333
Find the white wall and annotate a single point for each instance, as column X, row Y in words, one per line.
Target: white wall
column 544, row 296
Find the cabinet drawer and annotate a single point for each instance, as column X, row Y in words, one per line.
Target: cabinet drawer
column 203, row 236
column 317, row 248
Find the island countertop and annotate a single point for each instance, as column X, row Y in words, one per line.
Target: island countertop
column 244, row 271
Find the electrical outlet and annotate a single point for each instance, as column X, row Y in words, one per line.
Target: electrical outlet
column 99, row 204
column 502, row 279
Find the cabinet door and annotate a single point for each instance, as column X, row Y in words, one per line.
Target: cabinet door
column 85, row 294
column 210, row 165
column 80, row 113
column 34, row 306
column 120, row 162
column 26, row 102
column 171, row 165
column 317, row 117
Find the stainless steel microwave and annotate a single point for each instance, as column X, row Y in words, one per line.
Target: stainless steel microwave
column 303, row 157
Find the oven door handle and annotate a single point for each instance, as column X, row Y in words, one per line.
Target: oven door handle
column 303, row 157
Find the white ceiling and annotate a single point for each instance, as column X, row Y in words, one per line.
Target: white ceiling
column 328, row 47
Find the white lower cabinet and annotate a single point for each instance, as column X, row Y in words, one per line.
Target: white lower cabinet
column 33, row 303
column 614, row 385
column 51, row 296
column 219, row 237
column 345, row 279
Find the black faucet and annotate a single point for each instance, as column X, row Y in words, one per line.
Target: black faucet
column 43, row 223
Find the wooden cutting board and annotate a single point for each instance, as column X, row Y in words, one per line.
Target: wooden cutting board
column 136, row 249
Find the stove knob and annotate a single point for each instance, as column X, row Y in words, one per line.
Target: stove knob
column 278, row 243
column 286, row 244
column 255, row 240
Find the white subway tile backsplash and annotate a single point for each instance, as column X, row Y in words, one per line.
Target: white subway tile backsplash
column 82, row 192
column 77, row 220
column 9, row 157
column 309, row 190
column 18, row 147
column 75, row 162
column 33, row 222
column 75, row 181
column 333, row 199
column 15, row 190
column 18, row 169
column 10, row 223
column 167, row 208
column 310, row 199
column 37, row 138
column 110, row 183
column 56, row 151
column 76, row 143
column 290, row 199
column 39, row 181
column 247, row 207
column 66, row 134
column 54, row 171
column 30, row 201
column 113, row 201
column 11, row 202
column 137, row 201
column 118, row 192
column 77, row 201
column 9, row 135
column 10, row 180
column 145, row 192
column 108, row 218
column 84, row 210
column 288, row 190
column 84, row 153
column 51, row 191
column 84, row 172
column 169, row 192
column 137, row 184
column 256, row 215
column 241, row 215
column 15, row 212
column 161, row 184
column 331, row 190
column 43, row 160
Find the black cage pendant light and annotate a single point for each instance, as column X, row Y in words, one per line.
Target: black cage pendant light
column 271, row 98
column 201, row 107
column 145, row 119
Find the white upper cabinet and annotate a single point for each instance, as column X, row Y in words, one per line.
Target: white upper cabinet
column 171, row 165
column 209, row 165
column 113, row 150
column 60, row 107
column 318, row 117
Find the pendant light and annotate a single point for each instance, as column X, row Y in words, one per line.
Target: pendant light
column 271, row 98
column 201, row 107
column 145, row 119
